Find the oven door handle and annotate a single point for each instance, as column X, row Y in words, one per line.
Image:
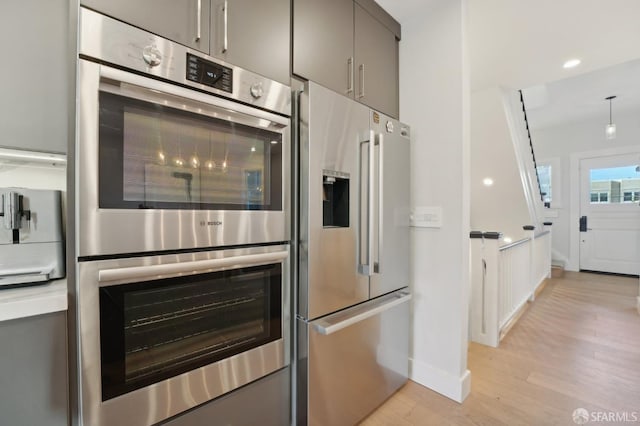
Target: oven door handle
column 189, row 268
column 148, row 84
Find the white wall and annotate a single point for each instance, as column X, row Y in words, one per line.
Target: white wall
column 571, row 138
column 501, row 207
column 434, row 101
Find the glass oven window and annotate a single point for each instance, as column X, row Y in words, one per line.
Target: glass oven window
column 154, row 156
column 154, row 330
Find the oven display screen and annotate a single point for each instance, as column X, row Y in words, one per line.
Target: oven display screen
column 209, row 73
column 154, row 330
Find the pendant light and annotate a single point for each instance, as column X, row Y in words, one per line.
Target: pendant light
column 610, row 130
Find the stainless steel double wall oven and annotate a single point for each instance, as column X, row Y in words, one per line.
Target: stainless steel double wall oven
column 181, row 170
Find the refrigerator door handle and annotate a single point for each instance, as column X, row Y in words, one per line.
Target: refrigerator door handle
column 366, row 266
column 379, row 217
column 326, row 327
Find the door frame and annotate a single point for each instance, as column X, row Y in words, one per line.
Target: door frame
column 574, row 195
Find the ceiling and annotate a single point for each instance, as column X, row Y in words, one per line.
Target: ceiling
column 583, row 97
column 405, row 10
column 519, row 43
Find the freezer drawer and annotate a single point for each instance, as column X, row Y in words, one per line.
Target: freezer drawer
column 355, row 360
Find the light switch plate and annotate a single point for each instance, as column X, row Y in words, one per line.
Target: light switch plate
column 426, row 217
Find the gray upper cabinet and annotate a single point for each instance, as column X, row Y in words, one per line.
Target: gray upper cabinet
column 376, row 56
column 253, row 34
column 183, row 21
column 349, row 47
column 323, row 43
column 34, row 76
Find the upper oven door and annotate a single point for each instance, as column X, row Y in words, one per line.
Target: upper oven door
column 162, row 167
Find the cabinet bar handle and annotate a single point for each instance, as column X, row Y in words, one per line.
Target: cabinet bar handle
column 199, row 20
column 361, row 95
column 350, row 75
column 225, row 19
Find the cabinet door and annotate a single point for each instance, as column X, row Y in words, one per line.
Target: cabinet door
column 183, row 21
column 253, row 34
column 376, row 54
column 323, row 43
column 33, row 371
column 34, row 76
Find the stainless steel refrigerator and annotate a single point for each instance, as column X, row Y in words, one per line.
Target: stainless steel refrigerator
column 353, row 268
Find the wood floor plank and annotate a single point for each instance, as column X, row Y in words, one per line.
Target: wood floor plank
column 577, row 345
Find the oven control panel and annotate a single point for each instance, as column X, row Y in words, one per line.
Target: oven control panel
column 209, row 73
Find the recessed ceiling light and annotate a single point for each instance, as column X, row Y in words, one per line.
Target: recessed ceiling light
column 507, row 240
column 571, row 63
column 487, row 181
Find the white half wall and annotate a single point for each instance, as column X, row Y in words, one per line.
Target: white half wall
column 563, row 141
column 501, row 207
column 434, row 100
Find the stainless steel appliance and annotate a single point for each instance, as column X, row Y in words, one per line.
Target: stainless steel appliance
column 181, row 245
column 176, row 150
column 31, row 241
column 353, row 297
column 162, row 334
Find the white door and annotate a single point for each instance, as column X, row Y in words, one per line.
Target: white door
column 610, row 214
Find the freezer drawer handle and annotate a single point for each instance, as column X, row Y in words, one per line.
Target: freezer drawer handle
column 326, row 328
column 198, row 266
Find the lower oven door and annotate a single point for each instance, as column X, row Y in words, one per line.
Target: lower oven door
column 162, row 334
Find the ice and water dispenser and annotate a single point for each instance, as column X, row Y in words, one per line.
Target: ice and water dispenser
column 335, row 199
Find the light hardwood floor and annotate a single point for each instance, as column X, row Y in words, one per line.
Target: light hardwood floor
column 576, row 346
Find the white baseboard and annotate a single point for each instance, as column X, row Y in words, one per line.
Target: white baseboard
column 453, row 387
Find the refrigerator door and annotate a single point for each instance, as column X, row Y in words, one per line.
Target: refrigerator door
column 390, row 242
column 356, row 359
column 332, row 130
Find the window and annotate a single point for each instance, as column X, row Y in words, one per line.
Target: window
column 544, row 175
column 599, row 197
column 549, row 175
column 614, row 185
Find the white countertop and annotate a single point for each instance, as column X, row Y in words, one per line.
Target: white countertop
column 33, row 300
